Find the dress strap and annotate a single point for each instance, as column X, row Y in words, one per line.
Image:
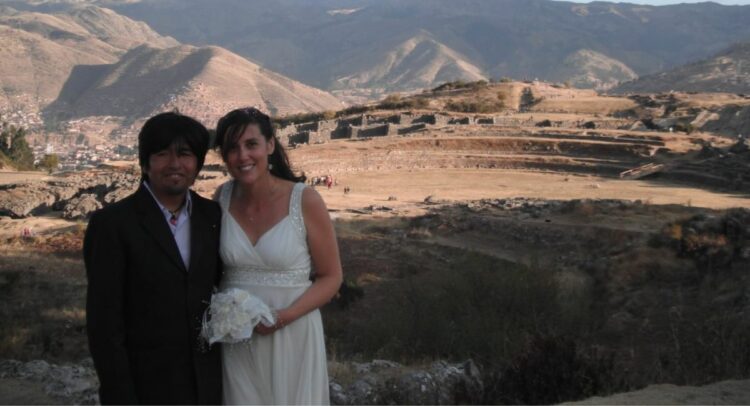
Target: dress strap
column 295, row 209
column 226, row 194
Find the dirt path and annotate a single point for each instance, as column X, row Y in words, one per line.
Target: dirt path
column 719, row 393
column 410, row 187
column 7, row 177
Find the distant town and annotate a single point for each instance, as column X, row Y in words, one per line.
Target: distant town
column 72, row 144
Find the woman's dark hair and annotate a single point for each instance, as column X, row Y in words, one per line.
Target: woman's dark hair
column 162, row 130
column 231, row 127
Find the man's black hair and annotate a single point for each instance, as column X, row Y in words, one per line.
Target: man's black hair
column 162, row 130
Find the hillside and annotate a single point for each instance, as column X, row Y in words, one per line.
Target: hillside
column 728, row 71
column 416, row 63
column 38, row 51
column 203, row 82
column 590, row 69
column 517, row 38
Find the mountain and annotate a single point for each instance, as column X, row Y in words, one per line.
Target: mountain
column 728, row 71
column 416, row 63
column 204, row 82
column 317, row 41
column 589, row 69
column 82, row 24
column 38, row 51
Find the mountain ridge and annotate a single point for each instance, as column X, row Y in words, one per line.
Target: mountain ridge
column 515, row 38
column 39, row 51
column 727, row 71
column 204, row 82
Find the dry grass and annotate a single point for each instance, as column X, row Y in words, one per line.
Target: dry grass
column 43, row 294
column 584, row 105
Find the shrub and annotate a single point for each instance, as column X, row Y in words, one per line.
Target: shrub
column 481, row 106
column 357, row 109
column 460, row 84
column 395, row 102
column 49, row 162
column 684, row 127
column 544, row 123
column 480, row 307
column 712, row 242
column 297, row 118
column 706, row 348
column 348, row 293
column 550, row 370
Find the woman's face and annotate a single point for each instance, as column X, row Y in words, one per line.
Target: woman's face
column 247, row 161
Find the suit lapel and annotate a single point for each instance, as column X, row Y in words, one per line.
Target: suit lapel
column 199, row 228
column 153, row 221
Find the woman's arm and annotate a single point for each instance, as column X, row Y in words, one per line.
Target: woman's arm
column 324, row 250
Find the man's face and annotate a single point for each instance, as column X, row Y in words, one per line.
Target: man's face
column 172, row 171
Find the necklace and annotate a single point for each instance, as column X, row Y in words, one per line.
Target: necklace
column 175, row 213
column 271, row 193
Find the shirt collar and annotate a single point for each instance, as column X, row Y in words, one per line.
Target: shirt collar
column 188, row 202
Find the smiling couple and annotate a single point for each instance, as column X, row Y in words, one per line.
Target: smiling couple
column 155, row 260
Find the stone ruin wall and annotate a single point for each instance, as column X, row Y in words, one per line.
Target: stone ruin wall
column 358, row 127
column 418, row 160
column 369, row 126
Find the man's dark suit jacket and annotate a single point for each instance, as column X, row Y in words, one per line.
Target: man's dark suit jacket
column 144, row 309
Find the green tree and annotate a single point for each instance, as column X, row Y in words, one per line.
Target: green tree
column 20, row 152
column 49, row 162
column 14, row 146
column 4, row 138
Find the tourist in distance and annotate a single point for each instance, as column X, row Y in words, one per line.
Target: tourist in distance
column 274, row 231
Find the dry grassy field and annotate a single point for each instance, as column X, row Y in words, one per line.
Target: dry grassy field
column 520, row 248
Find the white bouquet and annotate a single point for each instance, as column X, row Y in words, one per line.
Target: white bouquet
column 232, row 316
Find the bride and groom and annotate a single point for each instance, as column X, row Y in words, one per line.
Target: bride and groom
column 155, row 259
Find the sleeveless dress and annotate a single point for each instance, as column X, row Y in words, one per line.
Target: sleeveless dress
column 288, row 366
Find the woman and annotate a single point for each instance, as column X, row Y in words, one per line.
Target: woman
column 273, row 229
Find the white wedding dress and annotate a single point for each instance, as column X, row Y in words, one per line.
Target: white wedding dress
column 288, row 366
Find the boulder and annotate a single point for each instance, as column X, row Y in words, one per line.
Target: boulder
column 23, row 200
column 27, row 199
column 412, row 388
column 387, row 382
column 81, row 207
column 120, row 190
column 66, row 384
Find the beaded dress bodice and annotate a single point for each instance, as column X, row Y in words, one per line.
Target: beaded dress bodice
column 280, row 257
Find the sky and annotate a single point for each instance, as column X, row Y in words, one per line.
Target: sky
column 664, row 2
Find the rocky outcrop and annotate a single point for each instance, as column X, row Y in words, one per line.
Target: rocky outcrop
column 81, row 207
column 76, row 195
column 387, row 382
column 66, row 384
column 376, row 382
column 22, row 200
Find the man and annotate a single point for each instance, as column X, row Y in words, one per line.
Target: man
column 152, row 263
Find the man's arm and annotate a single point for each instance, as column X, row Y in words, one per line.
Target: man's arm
column 104, row 256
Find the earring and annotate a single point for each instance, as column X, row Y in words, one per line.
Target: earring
column 270, row 166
